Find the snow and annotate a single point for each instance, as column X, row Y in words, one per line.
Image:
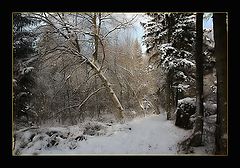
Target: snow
column 22, row 94
column 186, row 62
column 187, row 100
column 150, row 135
column 26, row 70
column 166, row 46
column 30, row 60
column 68, row 77
column 183, row 87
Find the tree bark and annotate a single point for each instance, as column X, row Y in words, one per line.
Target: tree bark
column 116, row 102
column 220, row 38
column 169, row 81
column 96, row 33
column 176, row 97
column 119, row 114
column 198, row 124
column 169, row 94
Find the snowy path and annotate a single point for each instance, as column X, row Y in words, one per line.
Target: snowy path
column 149, row 135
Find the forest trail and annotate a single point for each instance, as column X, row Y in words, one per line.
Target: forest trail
column 149, row 135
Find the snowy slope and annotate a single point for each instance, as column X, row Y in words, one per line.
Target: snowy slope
column 150, row 135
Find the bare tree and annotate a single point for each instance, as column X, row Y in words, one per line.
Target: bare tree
column 64, row 27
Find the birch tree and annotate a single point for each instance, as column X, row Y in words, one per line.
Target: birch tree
column 74, row 36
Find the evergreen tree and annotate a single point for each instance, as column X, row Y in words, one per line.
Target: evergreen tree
column 23, row 65
column 171, row 36
column 220, row 37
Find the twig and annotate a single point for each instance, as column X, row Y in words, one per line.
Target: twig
column 83, row 102
column 26, row 129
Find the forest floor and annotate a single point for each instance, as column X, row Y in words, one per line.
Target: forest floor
column 151, row 135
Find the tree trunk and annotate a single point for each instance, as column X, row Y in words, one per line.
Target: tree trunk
column 198, row 124
column 96, row 33
column 220, row 38
column 172, row 94
column 176, row 98
column 115, row 100
column 96, row 69
column 119, row 115
column 169, row 80
column 168, row 94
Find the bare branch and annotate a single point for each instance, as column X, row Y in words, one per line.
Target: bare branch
column 50, row 23
column 93, row 75
column 25, row 129
column 120, row 26
column 56, row 18
column 83, row 102
column 125, row 69
column 90, row 95
column 103, row 50
column 60, row 88
column 116, row 28
column 105, row 17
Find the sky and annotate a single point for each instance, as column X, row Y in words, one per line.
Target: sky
column 138, row 31
column 208, row 23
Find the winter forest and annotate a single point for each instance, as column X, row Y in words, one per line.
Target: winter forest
column 119, row 84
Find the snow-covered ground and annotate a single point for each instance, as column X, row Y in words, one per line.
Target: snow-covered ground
column 149, row 135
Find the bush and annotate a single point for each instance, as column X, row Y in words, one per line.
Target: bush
column 186, row 107
column 94, row 128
